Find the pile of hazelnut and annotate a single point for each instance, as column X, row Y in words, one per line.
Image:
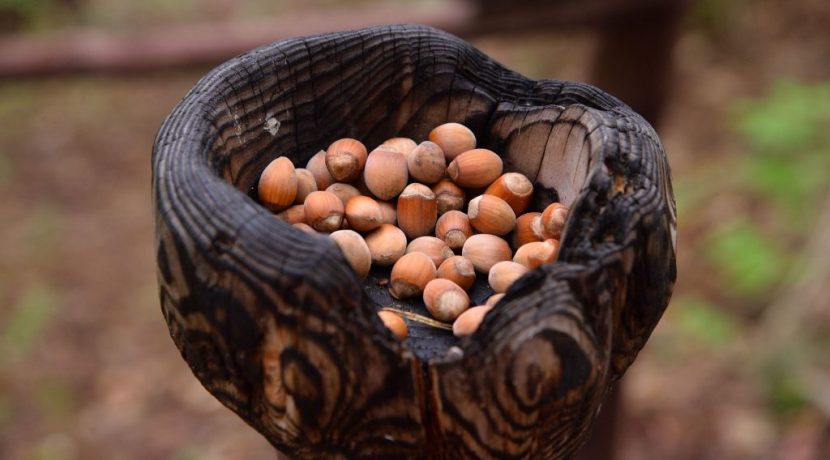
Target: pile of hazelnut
column 402, row 206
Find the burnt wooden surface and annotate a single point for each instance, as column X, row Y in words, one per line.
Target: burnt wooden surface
column 275, row 325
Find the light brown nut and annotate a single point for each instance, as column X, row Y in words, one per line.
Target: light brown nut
column 475, row 168
column 485, row 250
column 426, row 163
column 304, row 227
column 454, row 228
column 459, row 270
column 344, row 192
column 306, row 183
column 317, row 166
column 513, row 188
column 388, row 212
column 468, row 322
column 503, row 274
column 434, row 248
column 345, row 159
column 386, row 244
column 386, row 173
column 536, row 253
column 293, row 215
column 445, row 300
column 410, row 275
column 363, row 214
column 355, row 250
column 448, row 196
column 402, row 145
column 453, row 138
column 323, row 211
column 528, row 229
column 491, row 214
column 277, row 185
column 417, row 211
column 494, row 299
column 395, row 323
column 553, row 220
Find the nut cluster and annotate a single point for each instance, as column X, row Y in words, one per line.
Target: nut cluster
column 438, row 214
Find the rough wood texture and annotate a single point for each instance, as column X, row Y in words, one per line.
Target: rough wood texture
column 274, row 324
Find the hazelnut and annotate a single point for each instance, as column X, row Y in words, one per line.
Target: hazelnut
column 410, row 275
column 344, row 192
column 426, row 163
column 417, row 211
column 536, row 253
column 306, row 183
column 459, row 270
column 388, row 213
column 386, row 244
column 277, row 186
column 453, row 138
column 553, row 220
column 454, row 228
column 394, row 323
column 304, row 227
column 317, row 166
column 445, row 300
column 345, row 159
column 355, row 250
column 323, row 211
column 402, row 145
column 468, row 322
column 528, row 229
column 475, row 168
column 515, row 189
column 490, row 214
column 485, row 250
column 363, row 214
column 448, row 196
column 503, row 274
column 494, row 299
column 386, row 173
column 293, row 215
column 434, row 248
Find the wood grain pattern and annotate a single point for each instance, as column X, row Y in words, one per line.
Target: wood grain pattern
column 275, row 325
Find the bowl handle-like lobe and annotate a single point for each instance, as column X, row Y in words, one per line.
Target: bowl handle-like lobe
column 275, row 325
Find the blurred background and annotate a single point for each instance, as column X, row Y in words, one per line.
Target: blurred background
column 739, row 90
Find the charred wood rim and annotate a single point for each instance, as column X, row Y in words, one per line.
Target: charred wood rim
column 275, row 325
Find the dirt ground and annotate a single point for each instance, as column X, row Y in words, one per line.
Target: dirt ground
column 87, row 369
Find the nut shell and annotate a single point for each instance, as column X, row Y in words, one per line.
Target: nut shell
column 323, row 211
column 277, row 185
column 386, row 244
column 395, row 323
column 490, row 214
column 475, row 168
column 485, row 250
column 434, row 248
column 536, row 253
column 426, row 163
column 344, row 192
column 459, row 270
column 454, row 228
column 445, row 300
column 410, row 275
column 293, row 215
column 453, row 138
column 468, row 322
column 448, row 196
column 306, row 183
column 355, row 250
column 363, row 214
column 513, row 188
column 417, row 211
column 553, row 220
column 386, row 173
column 402, row 145
column 304, row 227
column 493, row 299
column 345, row 159
column 388, row 212
column 317, row 166
column 528, row 229
column 503, row 274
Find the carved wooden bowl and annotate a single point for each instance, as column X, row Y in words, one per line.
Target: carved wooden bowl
column 273, row 322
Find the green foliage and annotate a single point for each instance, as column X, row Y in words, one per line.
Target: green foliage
column 703, row 322
column 56, row 400
column 29, row 318
column 750, row 261
column 785, row 391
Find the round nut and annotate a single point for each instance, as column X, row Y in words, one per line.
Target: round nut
column 386, row 173
column 448, row 196
column 417, row 211
column 388, row 212
column 363, row 214
column 386, row 244
column 445, row 300
column 277, row 186
column 459, row 270
column 394, row 323
column 536, row 253
column 317, row 166
column 485, row 250
column 402, row 145
column 323, row 211
column 410, row 275
column 434, row 248
column 426, row 163
column 528, row 229
column 344, row 192
column 468, row 322
column 304, row 227
column 306, row 183
column 475, row 168
column 553, row 220
column 454, row 228
column 453, row 138
column 355, row 250
column 293, row 215
column 494, row 299
column 490, row 214
column 513, row 188
column 503, row 274
column 345, row 159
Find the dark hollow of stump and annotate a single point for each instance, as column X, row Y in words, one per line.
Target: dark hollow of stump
column 275, row 325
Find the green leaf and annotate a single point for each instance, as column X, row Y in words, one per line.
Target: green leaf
column 750, row 262
column 29, row 318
